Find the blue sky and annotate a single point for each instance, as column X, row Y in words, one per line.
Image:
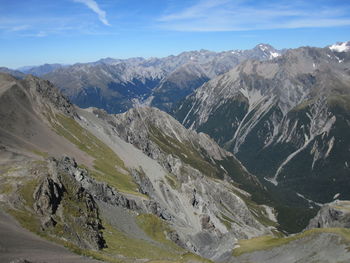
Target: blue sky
column 34, row 32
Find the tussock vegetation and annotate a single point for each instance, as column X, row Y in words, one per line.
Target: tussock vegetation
column 119, row 243
column 123, row 248
column 156, row 228
column 172, row 181
column 269, row 242
column 226, row 221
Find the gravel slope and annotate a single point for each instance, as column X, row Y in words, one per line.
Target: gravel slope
column 18, row 243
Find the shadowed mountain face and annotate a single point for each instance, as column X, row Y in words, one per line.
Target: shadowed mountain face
column 116, row 85
column 287, row 120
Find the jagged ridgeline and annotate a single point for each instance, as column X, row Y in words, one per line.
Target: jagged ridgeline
column 140, row 186
column 115, row 85
column 287, row 120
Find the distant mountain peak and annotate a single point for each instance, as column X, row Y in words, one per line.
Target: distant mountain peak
column 270, row 51
column 263, row 46
column 41, row 69
column 113, row 84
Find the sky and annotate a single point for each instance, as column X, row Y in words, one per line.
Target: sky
column 34, row 32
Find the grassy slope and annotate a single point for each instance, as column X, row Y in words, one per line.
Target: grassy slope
column 122, row 248
column 106, row 159
column 269, row 242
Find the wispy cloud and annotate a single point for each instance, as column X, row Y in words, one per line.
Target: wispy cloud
column 45, row 26
column 198, row 10
column 41, row 34
column 19, row 28
column 34, row 34
column 94, row 7
column 240, row 15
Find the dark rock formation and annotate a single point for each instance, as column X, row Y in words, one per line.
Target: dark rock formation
column 206, row 223
column 66, row 207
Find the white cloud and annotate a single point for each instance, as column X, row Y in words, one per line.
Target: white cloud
column 240, row 15
column 94, row 7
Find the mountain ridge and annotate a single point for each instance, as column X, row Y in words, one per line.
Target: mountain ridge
column 114, row 84
column 277, row 111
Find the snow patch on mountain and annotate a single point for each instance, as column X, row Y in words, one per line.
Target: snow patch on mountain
column 309, row 200
column 274, row 55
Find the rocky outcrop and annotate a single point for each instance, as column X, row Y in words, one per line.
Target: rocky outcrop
column 335, row 214
column 102, row 191
column 206, row 223
column 44, row 93
column 48, row 196
column 145, row 184
column 64, row 206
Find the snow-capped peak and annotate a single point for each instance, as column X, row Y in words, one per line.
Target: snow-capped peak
column 341, row 47
column 268, row 50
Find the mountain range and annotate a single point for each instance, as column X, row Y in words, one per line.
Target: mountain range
column 116, row 84
column 287, row 120
column 258, row 145
column 40, row 70
column 141, row 186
